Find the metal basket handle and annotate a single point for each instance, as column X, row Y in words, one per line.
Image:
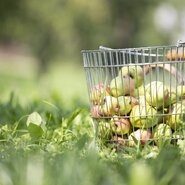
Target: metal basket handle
column 105, row 48
column 168, row 67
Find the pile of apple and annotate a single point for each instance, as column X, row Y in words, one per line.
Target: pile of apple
column 128, row 110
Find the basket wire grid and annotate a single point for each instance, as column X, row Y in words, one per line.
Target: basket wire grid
column 137, row 94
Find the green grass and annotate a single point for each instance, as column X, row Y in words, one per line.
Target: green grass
column 68, row 153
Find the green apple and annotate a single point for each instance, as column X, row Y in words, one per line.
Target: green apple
column 183, row 102
column 108, row 107
column 156, row 94
column 133, row 101
column 120, row 126
column 96, row 111
column 181, row 91
column 142, row 116
column 162, row 134
column 173, row 97
column 124, row 105
column 98, row 93
column 139, row 91
column 176, row 119
column 178, row 136
column 142, row 100
column 121, row 86
column 140, row 135
column 135, row 72
column 104, row 129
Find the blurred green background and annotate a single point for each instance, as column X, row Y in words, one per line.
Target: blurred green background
column 41, row 41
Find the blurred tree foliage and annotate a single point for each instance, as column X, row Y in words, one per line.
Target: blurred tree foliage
column 61, row 28
column 127, row 21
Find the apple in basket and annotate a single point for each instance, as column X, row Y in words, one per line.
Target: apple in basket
column 121, row 86
column 135, row 72
column 124, row 104
column 120, row 126
column 104, row 129
column 98, row 93
column 156, row 94
column 174, row 96
column 178, row 136
column 141, row 135
column 162, row 134
column 142, row 116
column 139, row 91
column 174, row 55
column 176, row 119
column 181, row 91
column 142, row 100
column 96, row 111
column 108, row 107
column 121, row 140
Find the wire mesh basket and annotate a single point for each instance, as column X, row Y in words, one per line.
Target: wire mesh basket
column 137, row 95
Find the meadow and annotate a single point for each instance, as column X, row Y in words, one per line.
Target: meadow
column 47, row 136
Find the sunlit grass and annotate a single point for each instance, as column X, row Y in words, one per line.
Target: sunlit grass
column 68, row 79
column 65, row 80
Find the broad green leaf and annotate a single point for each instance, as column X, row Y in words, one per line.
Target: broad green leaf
column 34, row 118
column 35, row 130
column 36, row 126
